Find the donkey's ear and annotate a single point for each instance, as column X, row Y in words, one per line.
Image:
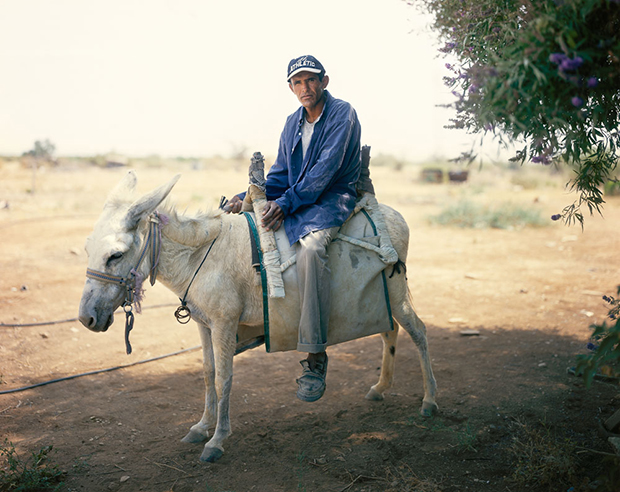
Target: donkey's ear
column 123, row 191
column 148, row 203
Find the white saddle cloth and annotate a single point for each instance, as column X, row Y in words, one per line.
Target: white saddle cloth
column 359, row 297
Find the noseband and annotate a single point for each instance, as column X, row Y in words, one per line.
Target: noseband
column 152, row 247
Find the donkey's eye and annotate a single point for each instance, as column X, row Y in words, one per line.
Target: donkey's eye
column 115, row 257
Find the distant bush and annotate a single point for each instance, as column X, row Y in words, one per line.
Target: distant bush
column 43, row 150
column 386, row 160
column 527, row 182
column 503, row 216
column 612, row 187
column 530, row 180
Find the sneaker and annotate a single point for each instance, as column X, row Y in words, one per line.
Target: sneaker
column 312, row 382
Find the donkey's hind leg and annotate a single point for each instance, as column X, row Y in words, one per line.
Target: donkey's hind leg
column 200, row 431
column 387, row 365
column 407, row 318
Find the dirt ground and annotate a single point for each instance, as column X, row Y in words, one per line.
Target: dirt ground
column 531, row 293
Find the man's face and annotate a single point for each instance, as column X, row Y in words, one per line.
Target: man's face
column 308, row 88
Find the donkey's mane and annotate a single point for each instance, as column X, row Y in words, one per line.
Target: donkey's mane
column 190, row 230
column 173, row 213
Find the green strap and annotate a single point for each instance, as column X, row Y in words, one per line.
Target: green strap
column 263, row 279
column 385, row 288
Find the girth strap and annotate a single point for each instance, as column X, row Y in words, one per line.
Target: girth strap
column 263, row 275
column 256, row 261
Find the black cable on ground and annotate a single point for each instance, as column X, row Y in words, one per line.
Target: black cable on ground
column 99, row 371
column 44, row 323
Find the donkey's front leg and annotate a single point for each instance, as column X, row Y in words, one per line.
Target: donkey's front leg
column 224, row 343
column 200, row 431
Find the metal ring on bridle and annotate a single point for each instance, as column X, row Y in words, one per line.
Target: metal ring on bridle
column 183, row 315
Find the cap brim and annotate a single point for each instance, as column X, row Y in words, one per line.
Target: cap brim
column 303, row 69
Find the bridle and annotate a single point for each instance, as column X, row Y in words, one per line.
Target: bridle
column 152, row 247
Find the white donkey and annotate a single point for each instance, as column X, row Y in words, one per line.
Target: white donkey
column 224, row 294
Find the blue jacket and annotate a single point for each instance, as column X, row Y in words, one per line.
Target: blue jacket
column 317, row 192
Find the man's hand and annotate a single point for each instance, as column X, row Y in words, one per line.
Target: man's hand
column 234, row 205
column 272, row 216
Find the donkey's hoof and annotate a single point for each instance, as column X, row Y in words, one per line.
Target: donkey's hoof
column 428, row 408
column 194, row 437
column 374, row 395
column 211, row 455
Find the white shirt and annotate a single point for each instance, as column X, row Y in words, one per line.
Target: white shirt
column 307, row 129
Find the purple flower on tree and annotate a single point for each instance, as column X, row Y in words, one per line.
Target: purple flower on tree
column 557, row 58
column 568, row 65
column 448, row 47
column 577, row 101
column 592, row 82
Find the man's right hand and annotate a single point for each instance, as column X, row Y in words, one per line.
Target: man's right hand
column 273, row 216
column 234, row 205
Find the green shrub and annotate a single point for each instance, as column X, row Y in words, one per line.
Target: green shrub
column 503, row 216
column 612, row 187
column 32, row 475
column 605, row 347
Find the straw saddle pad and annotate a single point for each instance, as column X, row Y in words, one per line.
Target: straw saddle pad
column 359, row 295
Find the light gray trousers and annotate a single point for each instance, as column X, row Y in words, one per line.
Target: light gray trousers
column 314, row 282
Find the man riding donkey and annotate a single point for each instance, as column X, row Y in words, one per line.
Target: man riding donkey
column 311, row 189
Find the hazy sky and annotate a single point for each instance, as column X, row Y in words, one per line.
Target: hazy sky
column 199, row 77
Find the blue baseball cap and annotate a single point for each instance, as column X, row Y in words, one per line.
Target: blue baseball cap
column 306, row 63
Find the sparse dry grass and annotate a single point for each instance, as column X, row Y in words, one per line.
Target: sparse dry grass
column 402, row 478
column 543, row 458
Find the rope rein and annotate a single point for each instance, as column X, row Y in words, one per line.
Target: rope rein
column 183, row 314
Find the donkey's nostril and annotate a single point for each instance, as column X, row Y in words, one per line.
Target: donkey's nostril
column 88, row 321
